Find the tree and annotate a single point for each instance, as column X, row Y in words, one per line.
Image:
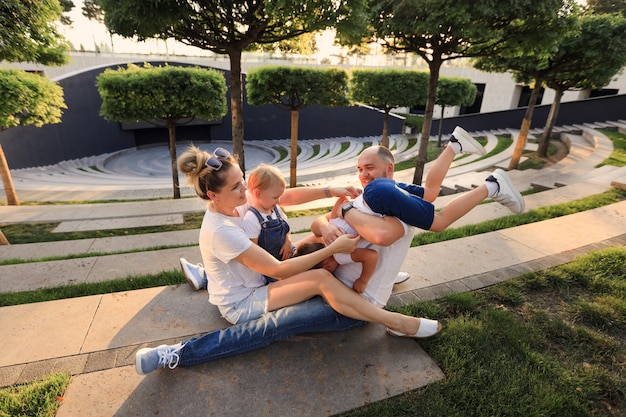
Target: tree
column 25, row 99
column 294, row 88
column 442, row 30
column 228, row 27
column 529, row 66
column 304, row 45
column 454, row 92
column 28, row 32
column 607, row 6
column 585, row 61
column 388, row 89
column 163, row 96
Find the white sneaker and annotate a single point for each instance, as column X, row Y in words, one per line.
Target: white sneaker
column 401, row 277
column 467, row 142
column 507, row 194
column 194, row 274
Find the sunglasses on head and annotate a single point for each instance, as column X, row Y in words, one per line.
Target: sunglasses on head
column 214, row 162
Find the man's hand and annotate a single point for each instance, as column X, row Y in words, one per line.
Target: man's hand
column 359, row 285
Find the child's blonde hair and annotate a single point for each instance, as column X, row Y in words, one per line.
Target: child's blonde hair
column 265, row 176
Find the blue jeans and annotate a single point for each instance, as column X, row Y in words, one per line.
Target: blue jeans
column 401, row 200
column 310, row 316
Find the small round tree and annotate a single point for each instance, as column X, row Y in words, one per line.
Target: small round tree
column 452, row 91
column 388, row 89
column 25, row 99
column 164, row 97
column 292, row 89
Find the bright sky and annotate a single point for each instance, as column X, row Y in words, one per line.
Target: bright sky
column 89, row 33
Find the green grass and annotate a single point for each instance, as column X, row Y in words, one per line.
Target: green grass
column 175, row 277
column 618, row 156
column 551, row 343
column 42, row 232
column 40, row 398
column 611, row 196
column 129, row 283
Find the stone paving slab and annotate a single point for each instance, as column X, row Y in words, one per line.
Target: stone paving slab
column 53, row 329
column 310, row 375
column 118, row 223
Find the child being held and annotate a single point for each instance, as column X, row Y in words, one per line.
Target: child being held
column 362, row 257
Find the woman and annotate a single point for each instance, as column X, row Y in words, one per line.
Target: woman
column 236, row 268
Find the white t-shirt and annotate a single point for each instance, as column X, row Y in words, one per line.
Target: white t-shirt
column 390, row 259
column 221, row 240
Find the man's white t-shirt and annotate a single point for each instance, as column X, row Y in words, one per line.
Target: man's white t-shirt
column 390, row 259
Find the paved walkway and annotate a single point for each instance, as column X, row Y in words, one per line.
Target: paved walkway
column 96, row 337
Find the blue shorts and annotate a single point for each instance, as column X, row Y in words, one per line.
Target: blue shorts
column 404, row 201
column 250, row 308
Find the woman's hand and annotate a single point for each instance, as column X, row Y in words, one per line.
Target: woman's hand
column 349, row 191
column 345, row 244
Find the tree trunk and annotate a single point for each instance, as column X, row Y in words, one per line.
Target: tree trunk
column 236, row 107
column 7, row 181
column 294, row 148
column 547, row 131
column 171, row 127
column 3, row 239
column 435, row 66
column 528, row 119
column 443, row 109
column 385, row 139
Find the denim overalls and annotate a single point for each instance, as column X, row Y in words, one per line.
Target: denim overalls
column 273, row 232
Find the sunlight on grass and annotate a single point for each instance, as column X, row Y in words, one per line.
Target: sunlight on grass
column 40, row 398
column 519, row 349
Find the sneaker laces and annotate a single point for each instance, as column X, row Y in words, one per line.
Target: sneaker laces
column 169, row 356
column 200, row 268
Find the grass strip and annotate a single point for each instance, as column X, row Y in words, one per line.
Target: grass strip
column 550, row 343
column 611, row 196
column 133, row 282
column 40, row 398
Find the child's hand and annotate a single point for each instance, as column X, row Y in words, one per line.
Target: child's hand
column 336, row 211
column 359, row 285
column 286, row 251
column 349, row 191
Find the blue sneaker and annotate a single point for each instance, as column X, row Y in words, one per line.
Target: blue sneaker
column 151, row 359
column 194, row 274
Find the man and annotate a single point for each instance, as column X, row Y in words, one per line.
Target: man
column 392, row 237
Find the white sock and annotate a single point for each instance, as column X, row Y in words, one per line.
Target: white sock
column 492, row 188
column 456, row 147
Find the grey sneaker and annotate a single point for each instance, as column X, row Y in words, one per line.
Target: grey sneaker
column 194, row 274
column 151, row 359
column 507, row 194
column 401, row 277
column 467, row 142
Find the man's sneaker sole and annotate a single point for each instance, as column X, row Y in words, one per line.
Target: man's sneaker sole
column 468, row 143
column 511, row 198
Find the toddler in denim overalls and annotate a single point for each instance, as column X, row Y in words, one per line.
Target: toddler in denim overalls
column 264, row 222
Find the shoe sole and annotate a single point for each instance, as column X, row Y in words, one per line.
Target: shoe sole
column 138, row 355
column 401, row 281
column 190, row 281
column 465, row 136
column 516, row 194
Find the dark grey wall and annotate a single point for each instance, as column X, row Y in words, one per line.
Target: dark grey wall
column 83, row 132
column 601, row 109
